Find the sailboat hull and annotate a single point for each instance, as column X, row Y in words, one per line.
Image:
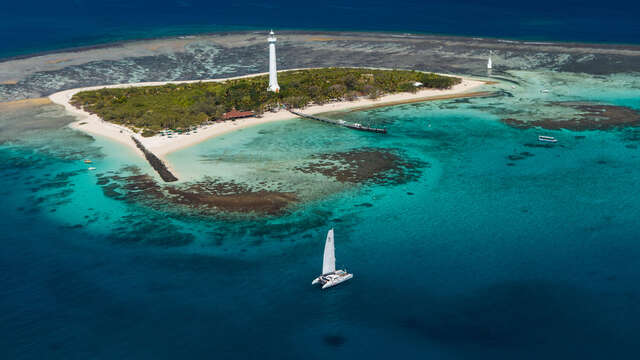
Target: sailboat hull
column 337, row 281
column 332, row 279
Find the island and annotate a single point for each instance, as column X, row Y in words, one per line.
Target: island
column 181, row 107
column 157, row 118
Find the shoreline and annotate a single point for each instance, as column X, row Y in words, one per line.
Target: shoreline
column 162, row 145
column 425, row 99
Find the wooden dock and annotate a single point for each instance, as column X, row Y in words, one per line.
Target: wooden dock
column 354, row 126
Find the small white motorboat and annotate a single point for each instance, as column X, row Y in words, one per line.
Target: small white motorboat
column 547, row 138
column 92, row 168
column 330, row 276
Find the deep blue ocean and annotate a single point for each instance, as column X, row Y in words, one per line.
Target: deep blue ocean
column 39, row 25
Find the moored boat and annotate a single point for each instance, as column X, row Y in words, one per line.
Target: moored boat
column 547, row 138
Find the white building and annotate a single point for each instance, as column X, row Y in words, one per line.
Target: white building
column 273, row 73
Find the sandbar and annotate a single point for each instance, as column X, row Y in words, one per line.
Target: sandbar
column 18, row 104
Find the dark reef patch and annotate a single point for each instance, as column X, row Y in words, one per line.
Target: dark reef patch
column 206, row 197
column 548, row 146
column 231, row 197
column 589, row 116
column 378, row 166
column 152, row 229
column 631, row 134
column 75, row 226
column 334, row 340
column 148, row 228
column 364, row 205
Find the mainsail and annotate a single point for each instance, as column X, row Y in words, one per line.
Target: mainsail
column 329, row 260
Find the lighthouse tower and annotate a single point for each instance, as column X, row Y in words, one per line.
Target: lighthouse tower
column 273, row 74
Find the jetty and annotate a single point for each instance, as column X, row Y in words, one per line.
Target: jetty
column 346, row 124
column 155, row 162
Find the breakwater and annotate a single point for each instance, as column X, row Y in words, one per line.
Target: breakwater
column 157, row 164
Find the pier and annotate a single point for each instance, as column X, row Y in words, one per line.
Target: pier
column 155, row 162
column 349, row 125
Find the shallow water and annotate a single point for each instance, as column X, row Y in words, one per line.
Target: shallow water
column 497, row 249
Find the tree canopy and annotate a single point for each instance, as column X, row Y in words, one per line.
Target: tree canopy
column 183, row 106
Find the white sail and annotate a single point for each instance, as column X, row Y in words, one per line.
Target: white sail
column 329, row 260
column 489, row 63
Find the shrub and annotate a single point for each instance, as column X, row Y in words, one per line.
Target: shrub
column 186, row 105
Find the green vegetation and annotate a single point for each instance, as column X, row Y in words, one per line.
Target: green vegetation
column 154, row 108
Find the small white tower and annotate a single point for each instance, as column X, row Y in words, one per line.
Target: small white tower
column 273, row 74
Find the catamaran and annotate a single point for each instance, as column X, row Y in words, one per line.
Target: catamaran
column 330, row 276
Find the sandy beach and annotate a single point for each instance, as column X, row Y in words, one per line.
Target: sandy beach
column 162, row 145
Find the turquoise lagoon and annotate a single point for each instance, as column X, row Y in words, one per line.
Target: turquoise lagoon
column 495, row 248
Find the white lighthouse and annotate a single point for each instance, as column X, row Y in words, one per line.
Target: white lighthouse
column 273, row 74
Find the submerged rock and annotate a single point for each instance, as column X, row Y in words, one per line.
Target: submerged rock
column 589, row 116
column 334, row 340
column 206, row 197
column 379, row 166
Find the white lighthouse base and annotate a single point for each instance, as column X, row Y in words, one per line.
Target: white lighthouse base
column 275, row 89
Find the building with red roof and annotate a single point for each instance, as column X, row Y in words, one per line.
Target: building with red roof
column 235, row 114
